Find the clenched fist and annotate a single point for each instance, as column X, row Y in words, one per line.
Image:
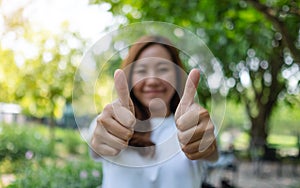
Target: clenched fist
column 115, row 125
column 195, row 129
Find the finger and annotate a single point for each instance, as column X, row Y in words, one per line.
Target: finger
column 202, row 155
column 124, row 116
column 106, row 150
column 207, row 140
column 198, row 146
column 188, row 93
column 114, row 141
column 190, row 87
column 121, row 86
column 114, row 128
column 107, row 138
column 192, row 147
column 190, row 119
column 193, row 134
column 203, row 130
column 99, row 148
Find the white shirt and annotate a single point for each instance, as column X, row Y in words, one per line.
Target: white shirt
column 169, row 167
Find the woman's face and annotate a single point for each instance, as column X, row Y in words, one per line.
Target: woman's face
column 154, row 77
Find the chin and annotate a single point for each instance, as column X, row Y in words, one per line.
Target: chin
column 158, row 105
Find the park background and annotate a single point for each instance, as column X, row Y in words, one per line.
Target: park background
column 255, row 42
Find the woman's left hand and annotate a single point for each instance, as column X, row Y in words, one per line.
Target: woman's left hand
column 195, row 128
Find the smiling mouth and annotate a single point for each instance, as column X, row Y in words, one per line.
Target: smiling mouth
column 154, row 92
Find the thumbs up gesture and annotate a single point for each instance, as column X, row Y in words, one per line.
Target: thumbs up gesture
column 195, row 128
column 115, row 124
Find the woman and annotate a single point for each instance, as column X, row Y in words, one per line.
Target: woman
column 136, row 132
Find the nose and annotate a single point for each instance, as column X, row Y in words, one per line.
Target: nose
column 152, row 80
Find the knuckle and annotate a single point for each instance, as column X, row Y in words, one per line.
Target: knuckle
column 97, row 133
column 131, row 121
column 190, row 156
column 210, row 128
column 115, row 152
column 116, row 142
column 101, row 120
column 108, row 108
column 203, row 113
column 103, row 123
column 110, row 152
column 203, row 147
column 123, row 146
column 94, row 142
column 182, row 139
column 186, row 149
column 179, row 135
column 179, row 124
column 128, row 135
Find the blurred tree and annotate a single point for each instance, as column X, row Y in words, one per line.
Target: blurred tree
column 257, row 42
column 48, row 78
column 8, row 76
column 37, row 67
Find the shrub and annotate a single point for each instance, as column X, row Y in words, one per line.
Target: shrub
column 17, row 142
column 71, row 174
column 26, row 151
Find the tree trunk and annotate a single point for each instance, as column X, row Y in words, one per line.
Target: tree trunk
column 258, row 132
column 265, row 100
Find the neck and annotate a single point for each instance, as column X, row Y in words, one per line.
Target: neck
column 158, row 108
column 160, row 113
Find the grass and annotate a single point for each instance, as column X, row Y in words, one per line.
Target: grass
column 283, row 140
column 241, row 141
column 286, row 144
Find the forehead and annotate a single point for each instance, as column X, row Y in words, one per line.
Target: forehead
column 155, row 51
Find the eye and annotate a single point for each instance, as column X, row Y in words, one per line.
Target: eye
column 163, row 69
column 139, row 71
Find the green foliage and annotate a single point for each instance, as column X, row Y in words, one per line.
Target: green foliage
column 25, row 152
column 38, row 75
column 18, row 141
column 285, row 119
column 71, row 174
column 8, row 75
column 48, row 80
column 283, row 140
column 295, row 186
column 253, row 37
column 71, row 141
column 235, row 117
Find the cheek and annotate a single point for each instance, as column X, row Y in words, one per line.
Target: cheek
column 137, row 87
column 173, row 81
column 137, row 80
column 170, row 80
column 171, row 90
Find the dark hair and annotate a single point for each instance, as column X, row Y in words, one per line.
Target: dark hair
column 142, row 139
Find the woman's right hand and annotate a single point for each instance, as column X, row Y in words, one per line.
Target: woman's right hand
column 115, row 125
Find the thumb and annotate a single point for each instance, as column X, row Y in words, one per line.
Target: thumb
column 188, row 93
column 121, row 86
